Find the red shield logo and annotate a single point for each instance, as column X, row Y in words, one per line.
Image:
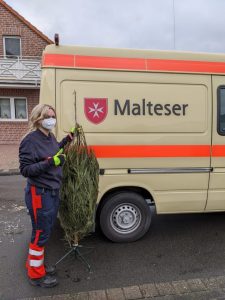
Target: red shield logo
column 96, row 109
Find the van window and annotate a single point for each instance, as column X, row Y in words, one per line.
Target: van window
column 221, row 111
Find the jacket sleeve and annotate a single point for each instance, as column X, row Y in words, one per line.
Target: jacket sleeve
column 64, row 141
column 28, row 166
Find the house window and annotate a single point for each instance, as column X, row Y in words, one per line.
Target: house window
column 12, row 46
column 13, row 109
column 5, row 111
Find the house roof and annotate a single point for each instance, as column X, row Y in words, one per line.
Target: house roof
column 22, row 19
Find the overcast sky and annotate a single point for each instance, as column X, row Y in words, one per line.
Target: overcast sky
column 189, row 25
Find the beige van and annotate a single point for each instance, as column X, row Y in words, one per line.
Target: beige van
column 156, row 121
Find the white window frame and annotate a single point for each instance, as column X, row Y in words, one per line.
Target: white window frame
column 13, row 37
column 12, row 110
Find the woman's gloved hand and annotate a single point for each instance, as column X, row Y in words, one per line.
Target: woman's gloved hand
column 58, row 159
column 73, row 130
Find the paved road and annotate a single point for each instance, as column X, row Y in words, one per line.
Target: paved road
column 177, row 247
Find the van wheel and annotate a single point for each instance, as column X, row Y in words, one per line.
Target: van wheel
column 125, row 217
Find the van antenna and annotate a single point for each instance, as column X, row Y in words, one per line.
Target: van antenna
column 75, row 106
column 174, row 26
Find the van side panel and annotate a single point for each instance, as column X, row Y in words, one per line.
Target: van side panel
column 148, row 130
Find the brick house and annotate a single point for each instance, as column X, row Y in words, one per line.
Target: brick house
column 21, row 46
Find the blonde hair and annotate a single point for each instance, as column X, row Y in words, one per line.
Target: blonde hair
column 39, row 112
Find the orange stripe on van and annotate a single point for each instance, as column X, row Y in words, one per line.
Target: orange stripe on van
column 129, row 151
column 141, row 64
column 60, row 60
column 185, row 66
column 97, row 62
column 218, row 150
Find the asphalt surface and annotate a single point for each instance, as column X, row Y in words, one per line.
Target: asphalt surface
column 177, row 247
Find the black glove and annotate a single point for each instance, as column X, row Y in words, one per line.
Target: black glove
column 58, row 159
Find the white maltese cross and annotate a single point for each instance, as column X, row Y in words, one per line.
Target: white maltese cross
column 95, row 110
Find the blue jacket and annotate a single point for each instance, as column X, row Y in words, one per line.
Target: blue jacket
column 34, row 150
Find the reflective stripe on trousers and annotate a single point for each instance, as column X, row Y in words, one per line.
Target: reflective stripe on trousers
column 35, row 261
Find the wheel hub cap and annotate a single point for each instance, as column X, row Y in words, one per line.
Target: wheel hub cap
column 125, row 218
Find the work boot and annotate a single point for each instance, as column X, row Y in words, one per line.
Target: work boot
column 46, row 281
column 50, row 270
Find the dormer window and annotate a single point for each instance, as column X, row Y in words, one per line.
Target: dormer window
column 12, row 46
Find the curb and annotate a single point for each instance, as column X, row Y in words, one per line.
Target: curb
column 198, row 288
column 8, row 172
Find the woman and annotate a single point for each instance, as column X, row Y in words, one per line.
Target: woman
column 41, row 159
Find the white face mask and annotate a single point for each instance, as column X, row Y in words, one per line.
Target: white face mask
column 48, row 123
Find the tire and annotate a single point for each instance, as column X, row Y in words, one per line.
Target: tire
column 125, row 217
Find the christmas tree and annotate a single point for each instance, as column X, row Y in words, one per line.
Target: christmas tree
column 79, row 189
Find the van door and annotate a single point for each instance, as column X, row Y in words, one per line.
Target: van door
column 216, row 194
